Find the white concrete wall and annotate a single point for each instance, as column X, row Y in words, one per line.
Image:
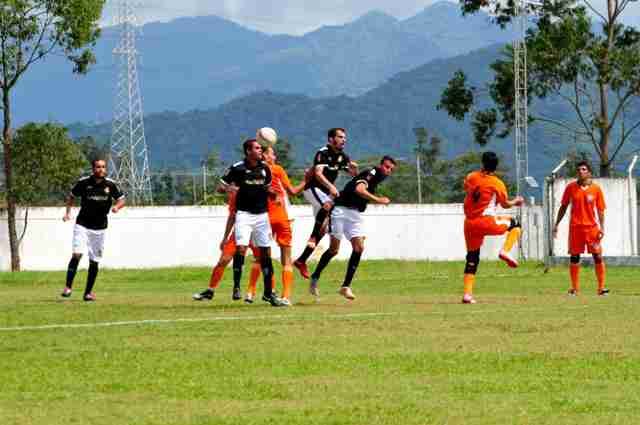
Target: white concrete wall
column 620, row 216
column 175, row 236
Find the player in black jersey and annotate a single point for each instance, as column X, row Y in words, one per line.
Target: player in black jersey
column 96, row 194
column 346, row 220
column 251, row 180
column 320, row 190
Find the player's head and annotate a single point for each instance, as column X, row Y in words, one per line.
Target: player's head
column 337, row 138
column 489, row 161
column 269, row 154
column 252, row 149
column 99, row 168
column 584, row 170
column 387, row 165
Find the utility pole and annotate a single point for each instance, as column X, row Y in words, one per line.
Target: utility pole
column 129, row 158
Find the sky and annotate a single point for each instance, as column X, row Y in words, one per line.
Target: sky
column 293, row 16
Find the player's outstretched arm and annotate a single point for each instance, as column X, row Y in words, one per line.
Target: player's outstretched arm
column 69, row 205
column 361, row 190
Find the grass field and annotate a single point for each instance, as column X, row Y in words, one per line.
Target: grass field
column 405, row 352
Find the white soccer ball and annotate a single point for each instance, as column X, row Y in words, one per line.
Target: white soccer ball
column 267, row 135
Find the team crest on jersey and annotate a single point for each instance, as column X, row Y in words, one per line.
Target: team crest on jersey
column 106, row 190
column 589, row 198
column 340, row 158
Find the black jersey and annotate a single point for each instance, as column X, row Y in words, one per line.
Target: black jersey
column 332, row 162
column 96, row 200
column 371, row 177
column 252, row 185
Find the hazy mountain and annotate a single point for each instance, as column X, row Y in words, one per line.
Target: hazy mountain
column 206, row 61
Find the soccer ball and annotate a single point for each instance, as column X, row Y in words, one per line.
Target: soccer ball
column 267, row 135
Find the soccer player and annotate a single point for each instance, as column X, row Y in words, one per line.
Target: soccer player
column 280, row 225
column 320, row 190
column 251, row 178
column 346, row 220
column 228, row 249
column 586, row 228
column 484, row 192
column 97, row 194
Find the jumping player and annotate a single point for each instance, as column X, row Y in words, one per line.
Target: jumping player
column 251, row 178
column 320, row 190
column 484, row 192
column 586, row 228
column 97, row 193
column 347, row 220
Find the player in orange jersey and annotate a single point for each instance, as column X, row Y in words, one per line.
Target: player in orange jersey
column 485, row 191
column 280, row 225
column 228, row 249
column 586, row 228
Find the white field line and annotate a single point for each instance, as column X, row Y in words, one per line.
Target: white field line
column 253, row 318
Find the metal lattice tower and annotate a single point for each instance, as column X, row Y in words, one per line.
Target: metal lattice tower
column 520, row 105
column 129, row 157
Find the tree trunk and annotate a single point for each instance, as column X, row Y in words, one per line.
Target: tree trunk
column 8, row 173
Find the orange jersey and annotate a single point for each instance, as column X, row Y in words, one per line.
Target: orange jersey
column 278, row 209
column 585, row 202
column 484, row 192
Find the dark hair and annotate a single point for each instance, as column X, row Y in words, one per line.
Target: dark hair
column 489, row 161
column 333, row 132
column 387, row 158
column 94, row 160
column 247, row 145
column 584, row 164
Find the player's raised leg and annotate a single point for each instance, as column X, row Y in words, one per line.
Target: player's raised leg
column 325, row 259
column 513, row 234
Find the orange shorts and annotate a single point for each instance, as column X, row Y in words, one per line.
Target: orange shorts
column 282, row 232
column 476, row 229
column 581, row 237
column 229, row 248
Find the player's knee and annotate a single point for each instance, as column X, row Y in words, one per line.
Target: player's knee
column 575, row 259
column 333, row 251
column 515, row 222
column 473, row 259
column 327, row 206
column 242, row 250
column 76, row 256
column 597, row 258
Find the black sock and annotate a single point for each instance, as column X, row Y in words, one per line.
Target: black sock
column 317, row 226
column 91, row 277
column 72, row 268
column 238, row 262
column 267, row 273
column 354, row 260
column 305, row 254
column 324, row 261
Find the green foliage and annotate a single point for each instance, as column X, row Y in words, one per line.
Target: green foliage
column 91, row 149
column 46, row 162
column 593, row 68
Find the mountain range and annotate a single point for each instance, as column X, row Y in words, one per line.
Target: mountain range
column 203, row 62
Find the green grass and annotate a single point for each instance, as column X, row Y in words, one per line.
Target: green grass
column 405, row 352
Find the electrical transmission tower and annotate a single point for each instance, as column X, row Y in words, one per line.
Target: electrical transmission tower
column 129, row 157
column 520, row 106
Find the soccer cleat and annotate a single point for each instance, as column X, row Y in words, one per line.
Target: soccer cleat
column 572, row 292
column 89, row 297
column 345, row 291
column 249, row 298
column 237, row 294
column 302, row 268
column 507, row 258
column 603, row 292
column 285, row 302
column 273, row 300
column 313, row 287
column 66, row 292
column 207, row 294
column 468, row 299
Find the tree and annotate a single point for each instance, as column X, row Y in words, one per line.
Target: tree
column 46, row 162
column 91, row 149
column 31, row 30
column 593, row 70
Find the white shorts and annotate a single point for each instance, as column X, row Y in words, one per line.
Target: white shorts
column 316, row 198
column 252, row 227
column 88, row 240
column 346, row 222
